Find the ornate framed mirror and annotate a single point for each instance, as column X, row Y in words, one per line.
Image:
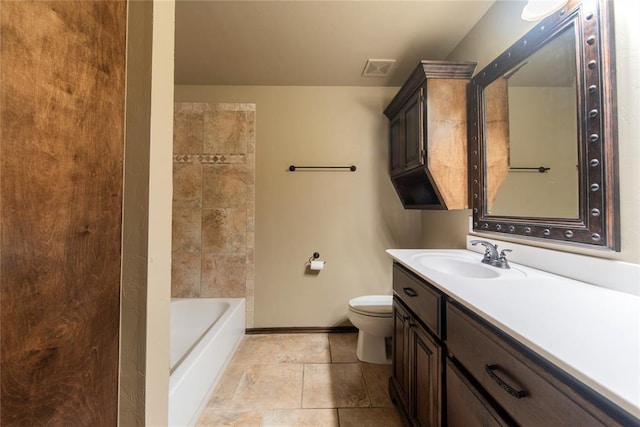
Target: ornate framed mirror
column 542, row 133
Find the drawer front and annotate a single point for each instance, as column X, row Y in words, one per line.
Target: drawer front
column 465, row 405
column 419, row 297
column 526, row 392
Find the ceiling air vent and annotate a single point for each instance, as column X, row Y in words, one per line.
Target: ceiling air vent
column 378, row 67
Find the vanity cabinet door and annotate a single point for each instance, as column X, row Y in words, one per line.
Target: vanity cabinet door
column 416, row 385
column 426, row 367
column 400, row 379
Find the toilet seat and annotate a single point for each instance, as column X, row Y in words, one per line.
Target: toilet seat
column 372, row 305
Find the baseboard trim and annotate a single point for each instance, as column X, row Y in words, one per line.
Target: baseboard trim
column 303, row 330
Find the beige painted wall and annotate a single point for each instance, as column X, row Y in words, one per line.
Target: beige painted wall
column 159, row 241
column 498, row 29
column 135, row 214
column 146, row 273
column 349, row 218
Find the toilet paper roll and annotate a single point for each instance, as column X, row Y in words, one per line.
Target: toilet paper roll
column 317, row 265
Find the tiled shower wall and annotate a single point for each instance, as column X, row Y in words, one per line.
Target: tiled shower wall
column 214, row 202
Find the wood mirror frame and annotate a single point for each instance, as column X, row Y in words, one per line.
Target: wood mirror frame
column 597, row 224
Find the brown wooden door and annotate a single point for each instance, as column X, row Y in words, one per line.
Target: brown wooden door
column 61, row 156
column 401, row 374
column 426, row 362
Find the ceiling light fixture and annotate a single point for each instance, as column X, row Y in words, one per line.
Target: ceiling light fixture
column 538, row 9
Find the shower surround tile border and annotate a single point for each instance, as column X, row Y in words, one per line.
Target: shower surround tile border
column 211, row 159
column 193, row 119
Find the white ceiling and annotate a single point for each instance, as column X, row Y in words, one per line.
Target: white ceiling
column 314, row 43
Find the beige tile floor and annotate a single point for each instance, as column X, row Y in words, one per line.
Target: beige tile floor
column 300, row 380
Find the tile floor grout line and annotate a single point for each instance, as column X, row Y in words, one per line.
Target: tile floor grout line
column 302, row 387
column 366, row 386
column 344, row 414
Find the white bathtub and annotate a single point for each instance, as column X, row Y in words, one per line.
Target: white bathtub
column 205, row 333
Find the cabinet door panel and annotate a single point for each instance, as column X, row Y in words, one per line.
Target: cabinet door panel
column 396, row 141
column 426, row 390
column 401, row 352
column 413, row 135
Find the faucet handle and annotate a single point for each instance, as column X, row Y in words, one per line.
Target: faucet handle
column 502, row 261
column 503, row 255
column 503, row 252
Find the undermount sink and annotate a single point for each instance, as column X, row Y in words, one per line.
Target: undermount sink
column 462, row 268
column 465, row 266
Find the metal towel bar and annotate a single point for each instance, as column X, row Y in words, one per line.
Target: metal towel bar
column 293, row 168
column 541, row 169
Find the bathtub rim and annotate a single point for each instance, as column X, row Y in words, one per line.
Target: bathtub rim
column 184, row 408
column 228, row 301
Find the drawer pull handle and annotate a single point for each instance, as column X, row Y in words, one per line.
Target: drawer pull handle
column 518, row 394
column 410, row 292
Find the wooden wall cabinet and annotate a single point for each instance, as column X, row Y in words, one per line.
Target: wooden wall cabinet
column 428, row 136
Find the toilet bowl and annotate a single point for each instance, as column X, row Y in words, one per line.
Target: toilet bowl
column 372, row 315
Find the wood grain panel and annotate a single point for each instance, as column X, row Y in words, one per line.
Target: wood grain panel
column 497, row 148
column 62, row 107
column 446, row 131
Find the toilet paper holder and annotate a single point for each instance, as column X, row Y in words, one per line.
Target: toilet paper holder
column 313, row 265
column 315, row 255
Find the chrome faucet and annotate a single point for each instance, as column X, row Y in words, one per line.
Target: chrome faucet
column 491, row 255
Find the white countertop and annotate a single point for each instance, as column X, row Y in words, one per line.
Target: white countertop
column 590, row 332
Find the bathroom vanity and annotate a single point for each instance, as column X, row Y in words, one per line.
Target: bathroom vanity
column 474, row 345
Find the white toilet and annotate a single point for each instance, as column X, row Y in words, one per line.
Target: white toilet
column 373, row 316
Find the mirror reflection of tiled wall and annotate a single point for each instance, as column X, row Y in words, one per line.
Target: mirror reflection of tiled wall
column 214, row 202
